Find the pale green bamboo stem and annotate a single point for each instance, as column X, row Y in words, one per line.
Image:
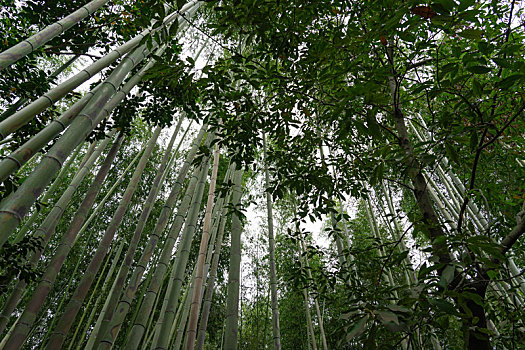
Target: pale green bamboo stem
column 271, row 249
column 316, row 302
column 184, row 310
column 196, row 297
column 71, row 310
column 49, row 193
column 16, row 208
column 171, row 300
column 232, row 302
column 32, row 43
column 128, row 295
column 35, row 303
column 22, row 117
column 107, row 302
column 222, row 219
column 46, row 230
column 126, row 263
column 105, row 285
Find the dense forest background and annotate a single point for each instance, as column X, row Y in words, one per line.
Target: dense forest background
column 254, row 174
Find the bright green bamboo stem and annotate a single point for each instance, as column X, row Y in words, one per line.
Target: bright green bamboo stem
column 82, row 289
column 171, row 300
column 196, row 297
column 50, row 274
column 128, row 295
column 234, row 272
column 113, row 297
column 27, row 46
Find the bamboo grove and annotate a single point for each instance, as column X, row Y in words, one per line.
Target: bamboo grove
column 255, row 174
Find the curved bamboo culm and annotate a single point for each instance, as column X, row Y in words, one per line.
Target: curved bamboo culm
column 71, row 310
column 196, row 298
column 271, row 250
column 22, row 117
column 171, row 299
column 29, row 45
column 126, row 264
column 30, row 313
column 234, row 272
column 128, row 295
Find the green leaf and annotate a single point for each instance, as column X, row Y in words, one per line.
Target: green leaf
column 444, row 306
column 448, row 275
column 479, row 69
column 387, row 317
column 452, row 154
column 358, row 328
column 447, row 4
column 465, row 4
column 502, row 62
column 477, row 88
column 509, row 81
column 470, row 33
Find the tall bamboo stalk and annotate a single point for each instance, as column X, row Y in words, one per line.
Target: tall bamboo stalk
column 71, row 310
column 51, row 192
column 50, row 274
column 20, row 118
column 232, row 302
column 171, row 300
column 32, row 43
column 221, row 223
column 105, row 285
column 303, row 251
column 17, row 206
column 271, row 249
column 126, row 264
column 21, row 101
column 196, row 298
column 46, row 230
column 129, row 293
